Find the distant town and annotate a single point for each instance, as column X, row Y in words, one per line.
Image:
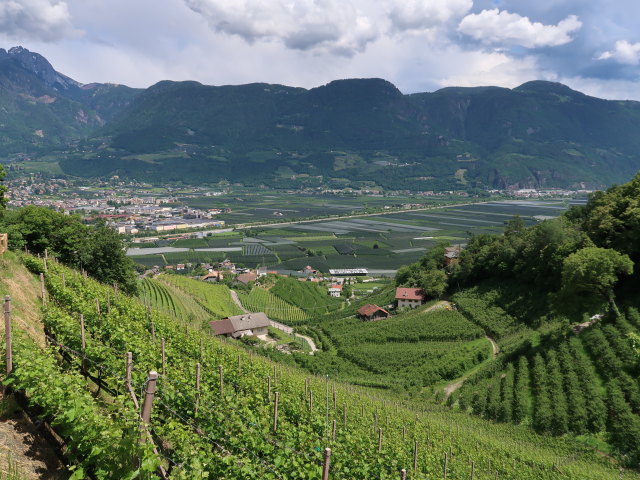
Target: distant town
column 134, row 207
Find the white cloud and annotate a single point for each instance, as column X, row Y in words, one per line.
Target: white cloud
column 623, row 52
column 501, row 27
column 44, row 20
column 344, row 27
column 421, row 14
column 334, row 25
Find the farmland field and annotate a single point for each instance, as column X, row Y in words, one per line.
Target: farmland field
column 376, row 242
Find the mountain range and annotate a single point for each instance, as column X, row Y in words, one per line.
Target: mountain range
column 355, row 132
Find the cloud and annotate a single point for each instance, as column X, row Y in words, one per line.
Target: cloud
column 334, row 25
column 501, row 27
column 623, row 52
column 342, row 27
column 44, row 20
column 421, row 14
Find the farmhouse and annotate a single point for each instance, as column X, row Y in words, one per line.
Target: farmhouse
column 372, row 312
column 335, row 290
column 451, row 255
column 212, row 276
column 247, row 277
column 241, row 325
column 409, row 297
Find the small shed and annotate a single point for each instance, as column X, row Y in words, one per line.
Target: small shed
column 240, row 325
column 372, row 312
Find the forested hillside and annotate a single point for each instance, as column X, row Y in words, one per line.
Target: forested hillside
column 354, row 132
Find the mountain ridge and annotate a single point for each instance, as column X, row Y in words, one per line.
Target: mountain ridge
column 348, row 132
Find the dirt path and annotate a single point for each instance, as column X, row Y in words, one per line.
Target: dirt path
column 494, row 346
column 234, row 297
column 455, row 385
column 437, row 306
column 280, row 326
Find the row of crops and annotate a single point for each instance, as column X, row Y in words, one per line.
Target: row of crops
column 169, row 300
column 586, row 384
column 262, row 300
column 214, row 298
column 224, row 426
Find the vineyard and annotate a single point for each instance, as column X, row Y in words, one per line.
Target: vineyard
column 220, row 412
column 306, row 295
column 170, row 300
column 587, row 384
column 261, row 300
column 214, row 299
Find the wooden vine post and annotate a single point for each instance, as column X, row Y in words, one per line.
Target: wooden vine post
column 221, row 381
column 379, row 440
column 327, row 464
column 446, row 463
column 195, row 408
column 415, row 455
column 162, row 345
column 129, row 367
column 403, row 474
column 42, row 290
column 98, row 307
column 275, row 411
column 84, row 344
column 7, row 333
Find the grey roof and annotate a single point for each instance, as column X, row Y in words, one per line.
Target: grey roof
column 249, row 321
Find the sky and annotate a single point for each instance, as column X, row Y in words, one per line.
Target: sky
column 418, row 45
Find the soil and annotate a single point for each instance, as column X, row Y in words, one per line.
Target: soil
column 23, row 451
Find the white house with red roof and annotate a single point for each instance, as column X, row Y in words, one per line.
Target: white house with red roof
column 409, row 297
column 335, row 290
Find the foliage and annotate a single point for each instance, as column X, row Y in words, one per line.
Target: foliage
column 231, row 434
column 215, row 299
column 307, row 296
column 97, row 249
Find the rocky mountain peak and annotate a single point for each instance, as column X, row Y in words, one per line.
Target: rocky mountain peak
column 40, row 66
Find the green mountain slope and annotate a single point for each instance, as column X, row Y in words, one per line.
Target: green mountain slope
column 358, row 132
column 41, row 108
column 365, row 130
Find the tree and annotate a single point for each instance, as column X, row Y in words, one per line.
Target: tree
column 106, row 260
column 590, row 274
column 433, row 282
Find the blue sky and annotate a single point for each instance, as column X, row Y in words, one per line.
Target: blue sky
column 419, row 45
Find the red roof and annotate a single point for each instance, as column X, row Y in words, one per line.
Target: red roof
column 409, row 293
column 337, row 286
column 369, row 310
column 221, row 327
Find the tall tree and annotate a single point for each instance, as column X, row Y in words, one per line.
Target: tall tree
column 589, row 275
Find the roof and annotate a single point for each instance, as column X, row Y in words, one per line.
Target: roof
column 221, row 327
column 247, row 277
column 452, row 252
column 409, row 293
column 249, row 321
column 335, row 286
column 214, row 274
column 368, row 310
